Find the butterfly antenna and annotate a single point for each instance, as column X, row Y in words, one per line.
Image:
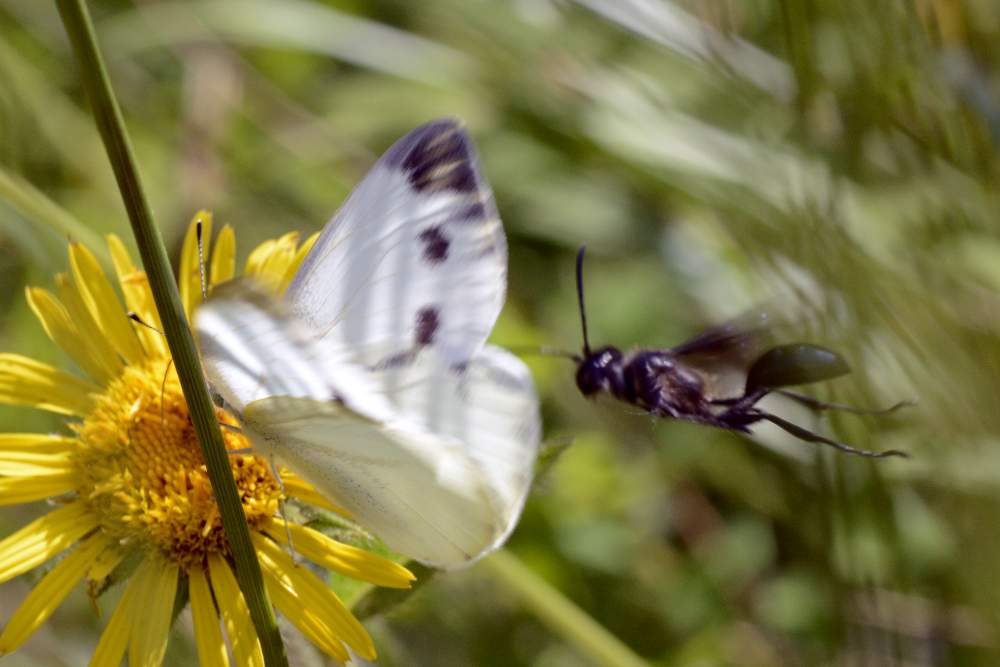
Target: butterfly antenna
column 201, row 262
column 134, row 316
column 579, row 296
column 163, row 386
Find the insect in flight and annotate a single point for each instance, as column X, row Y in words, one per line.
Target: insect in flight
column 679, row 382
column 371, row 377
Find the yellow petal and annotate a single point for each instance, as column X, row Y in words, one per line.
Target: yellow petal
column 296, row 262
column 235, row 615
column 189, row 277
column 17, row 490
column 297, row 487
column 104, row 564
column 114, row 640
column 60, row 328
column 257, row 258
column 90, row 333
column 223, row 257
column 37, row 442
column 207, row 635
column 305, row 619
column 24, row 464
column 49, row 593
column 24, row 381
column 269, row 262
column 156, row 587
column 138, row 297
column 343, row 558
column 314, row 596
column 103, row 304
column 43, row 538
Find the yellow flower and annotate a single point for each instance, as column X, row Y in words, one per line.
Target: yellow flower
column 130, row 485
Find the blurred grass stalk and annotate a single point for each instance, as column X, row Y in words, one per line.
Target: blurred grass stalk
column 107, row 114
column 562, row 616
column 33, row 205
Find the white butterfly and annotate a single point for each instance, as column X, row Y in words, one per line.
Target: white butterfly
column 372, row 378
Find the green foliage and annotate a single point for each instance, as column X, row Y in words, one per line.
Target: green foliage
column 835, row 158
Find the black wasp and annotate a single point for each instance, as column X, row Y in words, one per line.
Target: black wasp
column 680, row 382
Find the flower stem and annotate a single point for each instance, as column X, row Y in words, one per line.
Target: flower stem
column 111, row 125
column 560, row 614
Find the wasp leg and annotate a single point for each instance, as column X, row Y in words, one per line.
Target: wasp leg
column 741, row 403
column 818, row 405
column 809, row 436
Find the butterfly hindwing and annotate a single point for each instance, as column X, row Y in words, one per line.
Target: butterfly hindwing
column 435, row 460
column 415, row 257
column 417, row 491
column 489, row 404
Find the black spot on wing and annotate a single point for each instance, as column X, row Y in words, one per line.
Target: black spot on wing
column 428, row 322
column 435, row 245
column 476, row 211
column 436, row 156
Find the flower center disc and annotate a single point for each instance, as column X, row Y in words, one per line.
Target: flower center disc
column 142, row 471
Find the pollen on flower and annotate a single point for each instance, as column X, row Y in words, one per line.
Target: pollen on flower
column 141, row 471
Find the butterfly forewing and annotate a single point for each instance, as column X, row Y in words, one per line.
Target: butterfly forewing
column 415, row 257
column 252, row 349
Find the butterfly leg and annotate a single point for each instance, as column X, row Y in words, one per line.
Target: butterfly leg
column 281, row 510
column 819, row 406
column 809, row 436
column 238, row 431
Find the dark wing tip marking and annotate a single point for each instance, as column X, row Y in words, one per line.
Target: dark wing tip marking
column 436, row 244
column 436, row 156
column 427, row 324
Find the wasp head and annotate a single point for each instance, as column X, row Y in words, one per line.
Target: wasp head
column 599, row 371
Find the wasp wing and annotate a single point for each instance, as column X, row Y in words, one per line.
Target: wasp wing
column 723, row 354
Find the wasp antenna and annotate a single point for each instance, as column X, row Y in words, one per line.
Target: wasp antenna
column 544, row 351
column 579, row 296
column 201, row 261
column 555, row 352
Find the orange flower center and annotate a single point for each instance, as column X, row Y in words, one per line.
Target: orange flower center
column 140, row 468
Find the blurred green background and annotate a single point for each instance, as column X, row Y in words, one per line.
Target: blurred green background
column 836, row 157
